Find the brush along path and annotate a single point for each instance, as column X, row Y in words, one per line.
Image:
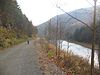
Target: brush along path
column 20, row 60
column 47, row 65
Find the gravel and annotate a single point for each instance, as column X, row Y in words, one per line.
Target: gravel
column 20, row 60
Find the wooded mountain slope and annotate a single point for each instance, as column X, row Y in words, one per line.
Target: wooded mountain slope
column 70, row 25
column 13, row 23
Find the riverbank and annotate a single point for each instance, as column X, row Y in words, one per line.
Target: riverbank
column 47, row 65
column 66, row 61
column 87, row 45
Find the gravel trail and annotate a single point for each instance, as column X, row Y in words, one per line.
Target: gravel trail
column 20, row 60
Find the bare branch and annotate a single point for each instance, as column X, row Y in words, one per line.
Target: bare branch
column 75, row 18
column 90, row 3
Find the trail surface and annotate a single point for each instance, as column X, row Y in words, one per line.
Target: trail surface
column 20, row 60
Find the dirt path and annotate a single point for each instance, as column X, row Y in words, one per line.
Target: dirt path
column 20, row 60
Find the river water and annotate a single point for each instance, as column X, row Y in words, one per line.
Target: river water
column 79, row 50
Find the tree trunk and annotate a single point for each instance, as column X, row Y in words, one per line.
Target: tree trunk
column 99, row 56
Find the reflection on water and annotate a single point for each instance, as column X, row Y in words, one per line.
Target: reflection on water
column 79, row 50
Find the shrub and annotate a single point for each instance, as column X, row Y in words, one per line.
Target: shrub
column 9, row 37
column 51, row 54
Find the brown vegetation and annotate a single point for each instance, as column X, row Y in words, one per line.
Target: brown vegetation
column 66, row 61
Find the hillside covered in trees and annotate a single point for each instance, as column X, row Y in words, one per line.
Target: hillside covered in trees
column 14, row 25
column 75, row 26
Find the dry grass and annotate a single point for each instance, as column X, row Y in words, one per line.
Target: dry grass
column 69, row 63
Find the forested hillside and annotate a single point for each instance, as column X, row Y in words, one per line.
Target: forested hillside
column 65, row 27
column 14, row 25
column 71, row 28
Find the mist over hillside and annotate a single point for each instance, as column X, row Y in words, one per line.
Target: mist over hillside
column 85, row 15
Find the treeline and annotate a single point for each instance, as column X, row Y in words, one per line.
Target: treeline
column 12, row 17
column 84, row 34
column 13, row 23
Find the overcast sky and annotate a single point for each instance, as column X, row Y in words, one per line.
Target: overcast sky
column 40, row 11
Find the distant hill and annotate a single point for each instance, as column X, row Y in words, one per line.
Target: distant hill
column 86, row 15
